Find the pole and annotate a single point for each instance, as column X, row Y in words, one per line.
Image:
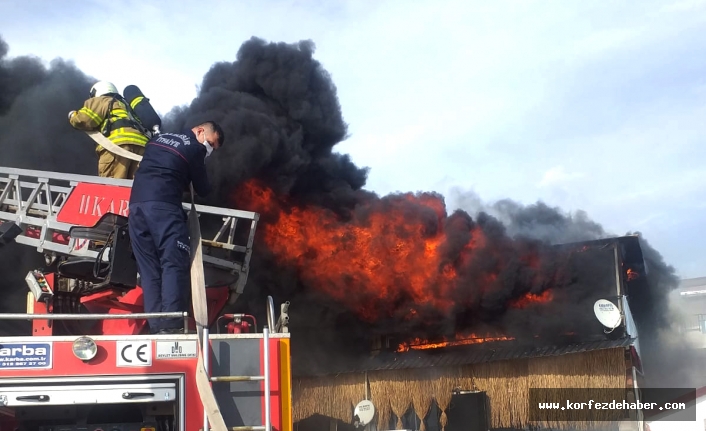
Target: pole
column 96, row 316
column 206, row 365
column 266, row 352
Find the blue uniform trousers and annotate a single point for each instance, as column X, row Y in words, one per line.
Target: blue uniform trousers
column 159, row 235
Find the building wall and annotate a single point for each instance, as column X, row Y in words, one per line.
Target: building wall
column 689, row 301
column 399, row 393
column 681, row 363
column 664, row 424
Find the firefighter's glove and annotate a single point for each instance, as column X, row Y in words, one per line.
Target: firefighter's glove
column 71, row 114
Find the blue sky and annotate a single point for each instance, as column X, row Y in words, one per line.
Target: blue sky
column 595, row 106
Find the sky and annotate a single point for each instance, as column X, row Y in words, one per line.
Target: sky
column 594, row 106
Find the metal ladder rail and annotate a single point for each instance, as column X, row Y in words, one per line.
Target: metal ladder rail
column 34, row 199
column 233, row 379
column 95, row 316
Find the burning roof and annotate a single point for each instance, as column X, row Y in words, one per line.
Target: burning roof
column 354, row 265
column 453, row 356
column 560, row 321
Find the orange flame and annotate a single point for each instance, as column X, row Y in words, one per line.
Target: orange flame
column 632, row 275
column 459, row 340
column 532, row 298
column 386, row 253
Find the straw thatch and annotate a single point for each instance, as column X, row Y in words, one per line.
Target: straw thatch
column 506, row 384
column 442, row 388
column 333, row 396
column 603, row 369
column 395, row 391
column 392, row 390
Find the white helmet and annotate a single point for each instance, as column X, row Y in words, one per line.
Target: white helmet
column 102, row 88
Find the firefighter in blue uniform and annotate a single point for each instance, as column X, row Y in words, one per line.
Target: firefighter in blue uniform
column 157, row 222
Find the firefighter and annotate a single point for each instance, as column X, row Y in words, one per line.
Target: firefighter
column 107, row 112
column 157, row 223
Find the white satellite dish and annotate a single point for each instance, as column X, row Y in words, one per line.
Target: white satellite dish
column 607, row 313
column 363, row 413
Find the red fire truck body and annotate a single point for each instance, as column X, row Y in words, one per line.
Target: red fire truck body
column 88, row 364
column 154, row 371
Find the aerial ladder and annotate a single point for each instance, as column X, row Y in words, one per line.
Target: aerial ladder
column 88, row 363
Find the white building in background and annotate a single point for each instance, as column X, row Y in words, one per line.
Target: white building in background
column 688, row 305
column 690, row 301
column 688, row 356
column 661, row 421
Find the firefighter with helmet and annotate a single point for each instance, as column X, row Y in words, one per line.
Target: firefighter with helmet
column 106, row 111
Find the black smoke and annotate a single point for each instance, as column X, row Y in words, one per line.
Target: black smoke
column 35, row 134
column 34, row 104
column 282, row 120
column 661, row 346
column 281, row 116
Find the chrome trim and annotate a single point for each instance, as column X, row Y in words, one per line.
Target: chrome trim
column 271, row 319
column 206, row 355
column 179, row 378
column 268, row 401
column 28, row 316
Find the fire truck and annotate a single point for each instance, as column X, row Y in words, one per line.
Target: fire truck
column 89, row 363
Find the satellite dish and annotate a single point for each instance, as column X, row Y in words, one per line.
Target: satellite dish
column 607, row 313
column 363, row 413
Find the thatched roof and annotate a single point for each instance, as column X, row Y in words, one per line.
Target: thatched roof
column 456, row 356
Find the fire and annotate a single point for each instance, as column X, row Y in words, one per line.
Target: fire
column 532, row 298
column 459, row 340
column 632, row 275
column 391, row 255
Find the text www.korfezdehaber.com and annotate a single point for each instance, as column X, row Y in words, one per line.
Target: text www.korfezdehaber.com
column 613, row 405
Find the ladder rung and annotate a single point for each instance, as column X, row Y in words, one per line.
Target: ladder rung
column 237, row 378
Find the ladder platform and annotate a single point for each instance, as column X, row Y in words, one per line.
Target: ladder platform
column 47, row 205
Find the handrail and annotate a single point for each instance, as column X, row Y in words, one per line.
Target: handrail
column 96, row 316
column 266, row 360
column 34, row 199
column 77, row 178
column 271, row 323
column 28, row 316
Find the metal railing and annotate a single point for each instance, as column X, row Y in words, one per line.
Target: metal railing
column 28, row 316
column 265, row 377
column 33, row 199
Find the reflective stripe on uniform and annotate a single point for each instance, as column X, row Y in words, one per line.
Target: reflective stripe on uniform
column 120, row 113
column 122, row 136
column 95, row 117
column 136, row 101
